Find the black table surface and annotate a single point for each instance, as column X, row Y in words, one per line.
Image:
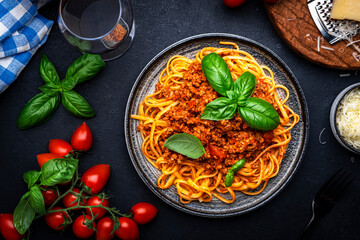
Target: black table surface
column 159, row 24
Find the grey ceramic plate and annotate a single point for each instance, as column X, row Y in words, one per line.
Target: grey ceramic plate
column 145, row 84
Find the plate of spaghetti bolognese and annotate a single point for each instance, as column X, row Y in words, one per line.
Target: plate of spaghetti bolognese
column 169, row 98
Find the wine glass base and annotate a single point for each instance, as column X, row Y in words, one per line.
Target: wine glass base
column 122, row 48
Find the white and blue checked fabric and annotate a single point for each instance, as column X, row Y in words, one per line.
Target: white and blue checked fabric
column 22, row 32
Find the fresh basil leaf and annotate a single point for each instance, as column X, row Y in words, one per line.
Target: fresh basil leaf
column 37, row 200
column 57, row 171
column 77, row 105
column 31, row 177
column 38, row 110
column 220, row 109
column 232, row 95
column 185, row 144
column 48, row 71
column 85, row 67
column 245, row 85
column 50, row 89
column 24, row 214
column 217, row 73
column 229, row 178
column 234, row 168
column 259, row 114
column 69, row 83
column 238, row 165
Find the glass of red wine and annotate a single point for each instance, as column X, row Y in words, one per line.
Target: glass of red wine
column 104, row 27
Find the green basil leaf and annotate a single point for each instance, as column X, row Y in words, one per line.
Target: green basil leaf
column 259, row 114
column 69, row 83
column 85, row 67
column 220, row 109
column 232, row 95
column 50, row 89
column 24, row 214
column 37, row 200
column 245, row 85
column 57, row 171
column 234, row 168
column 217, row 73
column 185, row 144
column 77, row 105
column 31, row 177
column 229, row 178
column 48, row 71
column 38, row 110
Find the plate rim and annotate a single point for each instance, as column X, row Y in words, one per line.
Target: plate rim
column 306, row 121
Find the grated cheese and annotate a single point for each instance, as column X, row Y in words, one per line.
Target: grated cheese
column 348, row 118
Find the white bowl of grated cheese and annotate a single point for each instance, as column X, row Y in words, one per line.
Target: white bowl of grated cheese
column 345, row 118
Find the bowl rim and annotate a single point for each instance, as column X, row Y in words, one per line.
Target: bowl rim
column 333, row 111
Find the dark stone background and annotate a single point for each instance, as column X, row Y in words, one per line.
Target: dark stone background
column 159, row 24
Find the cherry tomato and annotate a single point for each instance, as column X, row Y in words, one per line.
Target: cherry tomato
column 80, row 230
column 272, row 1
column 82, row 138
column 96, row 177
column 143, row 212
column 44, row 157
column 104, row 228
column 70, row 199
column 128, row 229
column 49, row 196
column 100, row 212
column 55, row 219
column 7, row 228
column 60, row 147
column 233, row 3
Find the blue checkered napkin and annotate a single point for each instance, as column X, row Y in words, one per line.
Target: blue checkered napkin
column 22, row 32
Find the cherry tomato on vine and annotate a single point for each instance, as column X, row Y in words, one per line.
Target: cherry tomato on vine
column 144, row 212
column 104, row 227
column 82, row 138
column 100, row 212
column 60, row 147
column 7, row 228
column 56, row 220
column 49, row 196
column 42, row 158
column 128, row 229
column 233, row 3
column 80, row 229
column 70, row 199
column 96, row 177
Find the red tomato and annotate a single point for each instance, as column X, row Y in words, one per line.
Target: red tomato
column 272, row 1
column 128, row 229
column 104, row 228
column 143, row 212
column 96, row 177
column 7, row 228
column 82, row 138
column 49, row 196
column 100, row 212
column 216, row 151
column 233, row 3
column 70, row 199
column 44, row 157
column 80, row 230
column 55, row 219
column 60, row 147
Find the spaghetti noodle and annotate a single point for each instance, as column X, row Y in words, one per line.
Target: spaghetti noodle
column 176, row 106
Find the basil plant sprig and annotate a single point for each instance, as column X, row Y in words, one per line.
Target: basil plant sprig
column 255, row 112
column 41, row 107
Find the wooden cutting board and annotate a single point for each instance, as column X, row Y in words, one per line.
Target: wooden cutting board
column 293, row 22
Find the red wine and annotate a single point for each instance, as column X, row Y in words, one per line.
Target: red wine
column 91, row 18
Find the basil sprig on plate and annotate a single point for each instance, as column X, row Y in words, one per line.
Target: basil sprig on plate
column 185, row 144
column 255, row 112
column 53, row 172
column 230, row 174
column 41, row 107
